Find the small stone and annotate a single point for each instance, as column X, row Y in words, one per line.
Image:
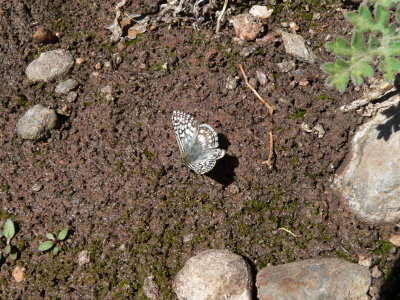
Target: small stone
column 246, row 27
column 395, row 240
column 364, row 261
column 316, row 16
column 188, row 238
column 376, row 273
column 133, row 32
column 231, row 83
column 293, row 26
column 261, row 77
column 83, row 258
column 66, row 86
column 304, row 82
column 295, row 45
column 65, row 111
column 71, row 97
column 36, row 123
column 49, row 65
column 44, row 36
column 121, row 46
column 37, row 187
column 247, row 51
column 319, row 131
column 260, row 11
column 305, row 127
column 79, row 61
column 151, row 289
column 253, row 82
column 125, row 24
column 19, row 273
column 286, row 66
column 233, row 189
column 109, row 97
column 107, row 64
column 95, row 74
column 214, row 275
column 122, row 247
column 97, row 66
column 106, row 89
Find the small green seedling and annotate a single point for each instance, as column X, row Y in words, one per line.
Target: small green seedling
column 375, row 37
column 52, row 243
column 8, row 232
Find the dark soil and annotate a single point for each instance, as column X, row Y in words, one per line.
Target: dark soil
column 110, row 172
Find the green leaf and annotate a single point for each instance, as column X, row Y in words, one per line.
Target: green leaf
column 398, row 14
column 357, row 42
column 381, row 14
column 7, row 250
column 392, row 49
column 46, row 246
column 55, row 250
column 340, row 47
column 62, row 234
column 9, row 230
column 373, row 43
column 50, row 236
column 362, row 70
column 389, row 66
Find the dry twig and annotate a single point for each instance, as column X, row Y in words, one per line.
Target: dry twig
column 221, row 15
column 287, row 230
column 271, row 112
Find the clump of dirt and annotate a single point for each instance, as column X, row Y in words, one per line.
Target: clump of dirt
column 110, row 172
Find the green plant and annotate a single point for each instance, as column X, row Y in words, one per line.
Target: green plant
column 52, row 242
column 8, row 232
column 372, row 38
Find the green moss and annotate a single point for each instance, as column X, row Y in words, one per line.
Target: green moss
column 148, row 153
column 323, row 96
column 300, row 114
column 261, row 51
column 343, row 255
column 383, row 247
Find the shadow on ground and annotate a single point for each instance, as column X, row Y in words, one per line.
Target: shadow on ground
column 390, row 289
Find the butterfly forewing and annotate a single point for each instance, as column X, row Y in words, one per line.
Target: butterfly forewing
column 186, row 129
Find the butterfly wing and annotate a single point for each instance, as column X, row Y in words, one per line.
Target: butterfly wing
column 186, row 129
column 206, row 161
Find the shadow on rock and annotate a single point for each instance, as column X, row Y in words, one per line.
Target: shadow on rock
column 223, row 171
column 390, row 289
column 391, row 125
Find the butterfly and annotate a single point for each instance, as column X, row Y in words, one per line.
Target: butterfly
column 198, row 143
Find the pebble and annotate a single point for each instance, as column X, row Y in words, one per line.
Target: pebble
column 44, row 36
column 313, row 279
column 66, row 86
column 49, row 65
column 233, row 189
column 121, row 46
column 214, row 275
column 107, row 64
column 261, row 11
column 376, row 273
column 247, row 51
column 231, row 82
column 97, row 66
column 106, row 89
column 261, row 77
column 286, row 66
column 364, row 261
column 319, row 131
column 395, row 240
column 19, row 273
column 295, row 45
column 253, row 82
column 83, row 257
column 71, row 97
column 36, row 123
column 79, row 61
column 37, row 187
column 246, row 27
column 151, row 289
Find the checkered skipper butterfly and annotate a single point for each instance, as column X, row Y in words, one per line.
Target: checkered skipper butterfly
column 198, row 143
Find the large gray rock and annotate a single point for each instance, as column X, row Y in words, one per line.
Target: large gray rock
column 314, row 279
column 370, row 182
column 36, row 123
column 50, row 65
column 295, row 45
column 214, row 275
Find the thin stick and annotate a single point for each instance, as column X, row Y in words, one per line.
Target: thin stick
column 221, row 14
column 287, row 230
column 271, row 112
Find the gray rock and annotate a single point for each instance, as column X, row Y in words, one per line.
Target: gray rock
column 36, row 123
column 314, row 279
column 295, row 45
column 50, row 65
column 151, row 289
column 214, row 275
column 286, row 66
column 66, row 86
column 370, row 182
column 106, row 90
column 247, row 51
column 260, row 11
column 231, row 83
column 71, row 97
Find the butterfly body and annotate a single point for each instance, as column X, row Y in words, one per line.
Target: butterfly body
column 198, row 144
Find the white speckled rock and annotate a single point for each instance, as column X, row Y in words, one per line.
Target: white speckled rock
column 295, row 45
column 64, row 87
column 370, row 182
column 50, row 65
column 214, row 275
column 36, row 123
column 314, row 279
